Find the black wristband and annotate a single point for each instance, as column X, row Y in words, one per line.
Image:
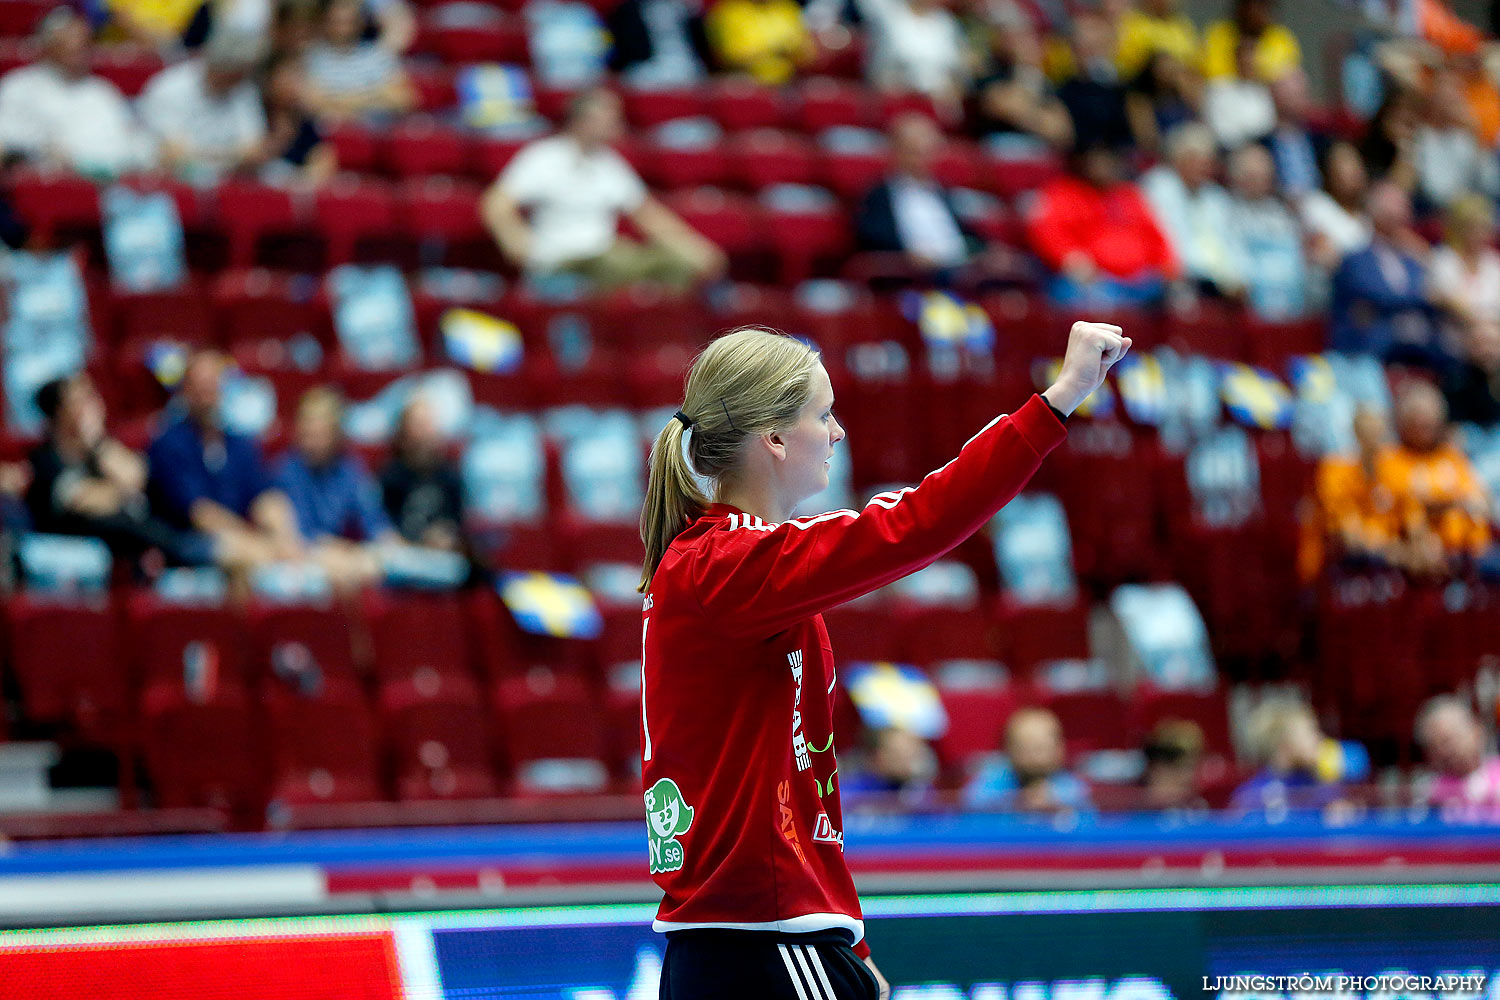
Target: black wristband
column 1062, row 417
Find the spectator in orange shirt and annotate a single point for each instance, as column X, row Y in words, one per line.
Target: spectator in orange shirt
column 1094, row 230
column 1441, row 501
column 1355, row 519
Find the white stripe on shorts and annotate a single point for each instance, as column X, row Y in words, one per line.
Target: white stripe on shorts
column 817, row 961
column 791, row 971
column 812, row 984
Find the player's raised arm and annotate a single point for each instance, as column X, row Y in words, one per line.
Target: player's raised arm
column 773, row 570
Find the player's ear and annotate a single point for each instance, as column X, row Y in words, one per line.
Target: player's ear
column 775, row 443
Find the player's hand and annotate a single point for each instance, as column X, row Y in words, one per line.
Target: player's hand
column 885, row 987
column 1093, row 349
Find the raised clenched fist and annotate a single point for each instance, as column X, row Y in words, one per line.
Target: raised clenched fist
column 1093, row 349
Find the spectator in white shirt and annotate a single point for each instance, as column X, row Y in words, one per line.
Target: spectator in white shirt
column 1334, row 215
column 1464, row 274
column 918, row 46
column 575, row 188
column 910, row 212
column 1449, row 159
column 1194, row 211
column 349, row 77
column 206, row 111
column 54, row 113
column 1239, row 108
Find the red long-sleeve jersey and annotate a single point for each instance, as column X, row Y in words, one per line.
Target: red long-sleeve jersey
column 737, row 685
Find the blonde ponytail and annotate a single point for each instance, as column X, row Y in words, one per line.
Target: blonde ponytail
column 744, row 384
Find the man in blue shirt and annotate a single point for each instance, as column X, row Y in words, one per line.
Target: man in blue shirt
column 210, row 479
column 1032, row 776
column 1380, row 304
column 336, row 501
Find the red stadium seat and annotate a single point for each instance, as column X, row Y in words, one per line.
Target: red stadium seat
column 669, row 167
column 413, row 633
column 622, row 705
column 126, row 68
column 823, row 103
column 421, row 146
column 359, row 148
column 731, row 221
column 435, row 89
column 258, row 307
column 547, row 715
column 647, row 108
column 762, row 157
column 438, row 734
column 864, row 631
column 743, row 104
column 1091, row 720
column 182, row 315
column 253, row 215
column 491, row 156
column 1032, row 634
column 185, row 652
column 1009, row 177
column 502, row 42
column 977, row 713
column 934, row 634
column 56, row 206
column 20, row 18
column 353, row 216
column 808, row 242
column 443, row 216
column 1272, row 345
column 65, row 657
column 322, row 751
column 303, row 647
column 206, row 755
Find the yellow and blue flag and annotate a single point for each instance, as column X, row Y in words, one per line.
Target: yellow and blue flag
column 1255, row 398
column 552, row 604
column 896, row 695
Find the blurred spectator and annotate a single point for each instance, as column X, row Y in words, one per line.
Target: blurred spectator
column 1094, row 230
column 1015, row 98
column 167, row 25
column 917, row 46
column 1151, row 28
column 1334, row 216
column 1355, row 522
column 1440, row 499
column 1093, row 92
column 897, row 762
column 1481, row 96
column 421, row 486
column 1449, row 161
column 763, row 38
column 1297, row 150
column 1467, row 783
column 1032, row 778
column 1173, row 751
column 206, row 111
column 295, row 27
column 1276, row 51
column 1163, row 96
column 1380, row 302
column 336, row 501
column 294, row 148
column 1239, row 108
column 55, row 113
column 1473, row 387
column 658, row 42
column 1268, row 237
column 1286, row 742
column 910, row 212
column 1194, row 211
column 395, row 23
column 1464, row 273
column 83, row 482
column 212, row 480
column 1389, row 145
column 576, row 188
column 349, row 76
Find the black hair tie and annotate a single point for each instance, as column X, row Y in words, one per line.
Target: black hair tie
column 686, row 422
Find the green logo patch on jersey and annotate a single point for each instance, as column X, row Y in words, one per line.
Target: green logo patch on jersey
column 667, row 818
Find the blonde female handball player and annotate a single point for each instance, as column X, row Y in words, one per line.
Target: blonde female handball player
column 737, row 745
